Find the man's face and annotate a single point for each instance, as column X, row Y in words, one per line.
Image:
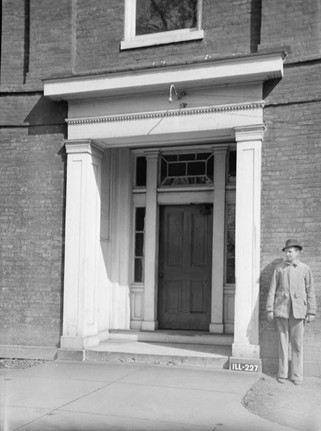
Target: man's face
column 292, row 253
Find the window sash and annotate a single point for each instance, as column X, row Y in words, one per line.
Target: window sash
column 132, row 41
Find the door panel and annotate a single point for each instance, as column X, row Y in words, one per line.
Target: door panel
column 185, row 268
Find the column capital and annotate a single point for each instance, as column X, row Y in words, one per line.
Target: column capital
column 249, row 133
column 220, row 148
column 151, row 154
column 81, row 146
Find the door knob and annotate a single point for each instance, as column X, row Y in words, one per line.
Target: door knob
column 161, row 275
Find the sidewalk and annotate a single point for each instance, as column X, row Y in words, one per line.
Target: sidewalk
column 89, row 396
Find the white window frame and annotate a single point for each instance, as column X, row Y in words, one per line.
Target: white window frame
column 131, row 41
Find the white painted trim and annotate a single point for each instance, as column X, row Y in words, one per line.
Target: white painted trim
column 253, row 68
column 185, row 198
column 218, row 241
column 166, row 114
column 154, row 39
column 130, row 19
column 80, row 325
column 247, row 241
column 150, row 243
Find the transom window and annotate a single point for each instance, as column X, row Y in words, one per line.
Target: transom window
column 186, row 169
column 155, row 22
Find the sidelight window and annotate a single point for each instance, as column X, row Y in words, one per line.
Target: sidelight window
column 230, row 243
column 139, row 245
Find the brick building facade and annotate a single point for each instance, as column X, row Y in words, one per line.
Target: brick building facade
column 246, row 81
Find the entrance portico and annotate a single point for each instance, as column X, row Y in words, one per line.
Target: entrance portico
column 219, row 104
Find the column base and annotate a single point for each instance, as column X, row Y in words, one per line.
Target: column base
column 216, row 328
column 246, row 351
column 149, row 325
column 78, row 343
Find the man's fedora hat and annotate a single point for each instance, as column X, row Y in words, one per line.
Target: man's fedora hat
column 292, row 243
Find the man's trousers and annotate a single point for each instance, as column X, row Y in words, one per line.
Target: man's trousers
column 290, row 330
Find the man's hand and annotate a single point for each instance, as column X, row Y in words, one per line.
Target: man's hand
column 310, row 318
column 270, row 316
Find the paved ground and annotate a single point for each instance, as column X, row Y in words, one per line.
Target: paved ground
column 85, row 396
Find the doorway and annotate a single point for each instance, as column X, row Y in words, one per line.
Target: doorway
column 185, row 267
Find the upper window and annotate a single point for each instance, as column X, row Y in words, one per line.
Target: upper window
column 155, row 22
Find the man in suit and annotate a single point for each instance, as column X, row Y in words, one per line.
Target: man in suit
column 291, row 301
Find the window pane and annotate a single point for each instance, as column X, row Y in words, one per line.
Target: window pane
column 140, row 219
column 138, row 270
column 171, row 157
column 203, row 156
column 176, row 169
column 155, row 16
column 139, row 245
column 232, row 165
column 187, row 157
column 196, row 168
column 141, row 171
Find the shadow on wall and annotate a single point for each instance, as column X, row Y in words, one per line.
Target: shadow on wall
column 256, row 21
column 268, row 334
column 115, row 239
column 47, row 117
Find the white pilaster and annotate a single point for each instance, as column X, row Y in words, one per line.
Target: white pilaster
column 247, row 241
column 80, row 327
column 151, row 229
column 216, row 324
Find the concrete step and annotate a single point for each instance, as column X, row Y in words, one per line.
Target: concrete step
column 172, row 336
column 181, row 348
column 161, row 353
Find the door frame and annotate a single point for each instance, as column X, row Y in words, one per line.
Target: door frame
column 156, row 196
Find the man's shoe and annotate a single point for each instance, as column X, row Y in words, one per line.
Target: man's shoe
column 281, row 379
column 297, row 382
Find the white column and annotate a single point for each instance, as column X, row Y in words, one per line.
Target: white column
column 216, row 325
column 82, row 235
column 247, row 241
column 150, row 255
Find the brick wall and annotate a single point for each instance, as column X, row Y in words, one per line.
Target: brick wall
column 99, row 30
column 36, row 42
column 293, row 24
column 12, row 42
column 291, row 192
column 41, row 40
column 31, row 237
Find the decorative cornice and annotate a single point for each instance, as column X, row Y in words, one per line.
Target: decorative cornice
column 164, row 114
column 206, row 73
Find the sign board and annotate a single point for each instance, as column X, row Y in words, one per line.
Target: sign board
column 247, row 365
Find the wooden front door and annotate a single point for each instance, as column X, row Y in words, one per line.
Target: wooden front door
column 185, row 267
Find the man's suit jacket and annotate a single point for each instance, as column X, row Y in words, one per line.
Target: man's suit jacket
column 292, row 284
